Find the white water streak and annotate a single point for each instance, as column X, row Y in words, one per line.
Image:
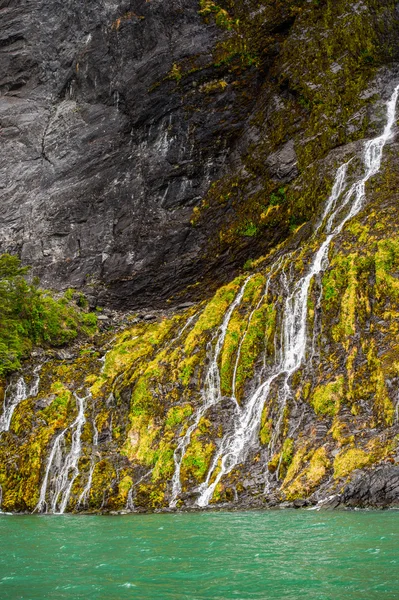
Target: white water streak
column 294, row 322
column 85, row 495
column 66, row 468
column 15, row 394
column 211, row 393
column 129, row 501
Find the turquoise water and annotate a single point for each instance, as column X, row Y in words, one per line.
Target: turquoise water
column 219, row 556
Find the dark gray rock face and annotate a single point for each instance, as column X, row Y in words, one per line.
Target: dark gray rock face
column 104, row 150
column 376, row 488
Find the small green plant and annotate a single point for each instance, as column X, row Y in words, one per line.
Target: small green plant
column 278, row 197
column 366, row 57
column 250, row 229
column 175, row 72
column 221, row 16
column 248, row 264
column 295, row 222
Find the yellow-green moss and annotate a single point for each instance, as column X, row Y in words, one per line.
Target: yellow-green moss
column 140, row 443
column 177, row 415
column 101, row 488
column 306, row 482
column 266, row 427
column 326, row 399
column 198, row 455
column 212, row 316
column 259, row 336
column 350, row 459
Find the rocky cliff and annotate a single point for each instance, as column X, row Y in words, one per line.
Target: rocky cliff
column 239, row 155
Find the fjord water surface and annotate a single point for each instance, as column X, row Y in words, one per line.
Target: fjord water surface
column 283, row 555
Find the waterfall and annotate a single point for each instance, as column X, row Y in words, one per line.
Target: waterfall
column 211, row 393
column 130, row 500
column 85, row 495
column 65, row 467
column 293, row 341
column 262, row 299
column 15, row 393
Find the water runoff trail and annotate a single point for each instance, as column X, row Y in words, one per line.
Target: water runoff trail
column 16, row 392
column 62, row 467
column 342, row 205
column 211, row 392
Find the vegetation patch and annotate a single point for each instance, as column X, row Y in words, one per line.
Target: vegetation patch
column 326, row 399
column 31, row 316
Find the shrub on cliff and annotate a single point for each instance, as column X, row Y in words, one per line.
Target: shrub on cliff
column 31, row 316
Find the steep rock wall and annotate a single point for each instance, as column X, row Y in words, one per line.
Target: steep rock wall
column 116, row 118
column 160, row 397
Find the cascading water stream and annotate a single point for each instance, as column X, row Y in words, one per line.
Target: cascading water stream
column 294, row 319
column 129, row 500
column 66, row 468
column 85, row 495
column 211, row 393
column 15, row 394
column 262, row 299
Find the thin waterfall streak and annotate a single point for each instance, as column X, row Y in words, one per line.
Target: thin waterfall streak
column 316, row 312
column 10, row 404
column 129, row 500
column 211, row 393
column 66, row 468
column 284, row 391
column 294, row 320
column 338, row 188
column 64, row 482
column 42, row 504
column 14, row 395
column 183, row 329
column 238, row 445
column 263, row 298
column 95, row 433
column 85, row 495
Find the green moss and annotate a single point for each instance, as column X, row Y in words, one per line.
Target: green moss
column 282, row 460
column 260, row 333
column 140, row 443
column 266, row 427
column 101, row 488
column 196, row 461
column 232, row 339
column 350, row 459
column 124, row 485
column 386, row 263
column 249, row 229
column 326, row 399
column 186, row 368
column 163, row 458
column 310, row 477
column 150, row 495
column 212, row 316
column 177, row 415
column 60, row 406
column 287, row 452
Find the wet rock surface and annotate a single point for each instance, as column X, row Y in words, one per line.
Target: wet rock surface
column 147, row 157
column 105, row 151
column 376, row 488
